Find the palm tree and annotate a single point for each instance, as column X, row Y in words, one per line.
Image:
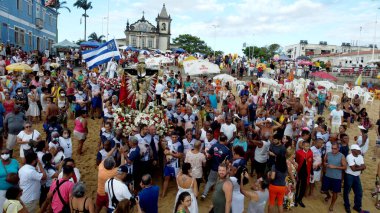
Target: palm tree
column 57, row 6
column 94, row 37
column 85, row 5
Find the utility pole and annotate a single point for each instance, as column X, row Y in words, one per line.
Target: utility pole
column 374, row 38
column 215, row 26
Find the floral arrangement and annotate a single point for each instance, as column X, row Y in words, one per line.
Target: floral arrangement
column 128, row 119
column 114, row 82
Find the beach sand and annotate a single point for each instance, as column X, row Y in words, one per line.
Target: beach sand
column 315, row 203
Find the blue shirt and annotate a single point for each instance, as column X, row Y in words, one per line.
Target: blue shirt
column 12, row 167
column 148, row 199
column 213, row 101
column 2, row 111
column 219, row 152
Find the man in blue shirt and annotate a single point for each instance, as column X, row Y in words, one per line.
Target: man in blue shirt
column 218, row 153
column 148, row 196
column 244, row 91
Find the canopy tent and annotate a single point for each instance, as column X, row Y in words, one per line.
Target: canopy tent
column 90, row 44
column 65, row 44
column 201, row 67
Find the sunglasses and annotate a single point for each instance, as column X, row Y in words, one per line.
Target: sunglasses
column 28, row 126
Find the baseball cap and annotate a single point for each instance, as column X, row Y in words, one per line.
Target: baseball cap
column 123, row 168
column 269, row 119
column 355, row 147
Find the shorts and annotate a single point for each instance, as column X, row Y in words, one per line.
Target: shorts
column 96, row 102
column 335, row 128
column 334, row 185
column 316, row 176
column 101, row 201
column 276, row 192
column 11, row 141
column 259, row 167
column 170, row 171
column 245, row 121
column 80, row 135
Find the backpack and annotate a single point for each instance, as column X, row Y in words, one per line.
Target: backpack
column 114, row 200
column 66, row 206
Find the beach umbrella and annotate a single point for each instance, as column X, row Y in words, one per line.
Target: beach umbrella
column 202, row 67
column 324, row 75
column 305, row 63
column 284, row 58
column 19, row 67
column 359, row 80
column 302, row 57
column 276, row 57
column 224, row 77
column 145, row 52
column 268, row 81
column 262, row 65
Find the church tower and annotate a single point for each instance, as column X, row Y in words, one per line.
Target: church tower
column 163, row 28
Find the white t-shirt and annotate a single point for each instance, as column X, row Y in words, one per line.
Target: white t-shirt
column 261, row 154
column 67, row 146
column 119, row 189
column 228, row 130
column 26, row 137
column 364, row 148
column 159, row 89
column 336, row 117
column 77, row 175
column 352, row 160
column 30, row 183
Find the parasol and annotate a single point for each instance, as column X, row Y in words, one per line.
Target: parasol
column 324, row 75
column 224, row 77
column 19, row 67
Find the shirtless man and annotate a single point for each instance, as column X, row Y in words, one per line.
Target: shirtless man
column 268, row 127
column 51, row 108
column 242, row 109
column 297, row 106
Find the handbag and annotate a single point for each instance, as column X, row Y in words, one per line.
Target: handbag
column 12, row 177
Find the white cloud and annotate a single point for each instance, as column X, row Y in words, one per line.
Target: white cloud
column 282, row 21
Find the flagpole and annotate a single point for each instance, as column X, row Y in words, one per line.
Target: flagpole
column 108, row 17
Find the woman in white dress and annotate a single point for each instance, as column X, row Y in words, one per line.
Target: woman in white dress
column 33, row 110
column 237, row 197
column 186, row 183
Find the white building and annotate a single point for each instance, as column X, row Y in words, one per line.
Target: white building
column 142, row 34
column 349, row 59
column 305, row 49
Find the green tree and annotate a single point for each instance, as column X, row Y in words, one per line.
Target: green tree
column 58, row 5
column 94, row 37
column 192, row 44
column 85, row 5
column 266, row 52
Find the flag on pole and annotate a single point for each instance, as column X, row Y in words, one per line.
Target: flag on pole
column 359, row 80
column 244, row 44
column 103, row 54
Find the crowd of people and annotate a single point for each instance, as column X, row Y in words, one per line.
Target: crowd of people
column 217, row 141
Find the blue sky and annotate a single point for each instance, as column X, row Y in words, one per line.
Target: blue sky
column 257, row 22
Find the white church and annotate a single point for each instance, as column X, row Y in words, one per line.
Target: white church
column 144, row 35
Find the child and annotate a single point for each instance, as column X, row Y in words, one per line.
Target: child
column 66, row 144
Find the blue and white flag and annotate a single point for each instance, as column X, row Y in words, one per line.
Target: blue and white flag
column 103, row 54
